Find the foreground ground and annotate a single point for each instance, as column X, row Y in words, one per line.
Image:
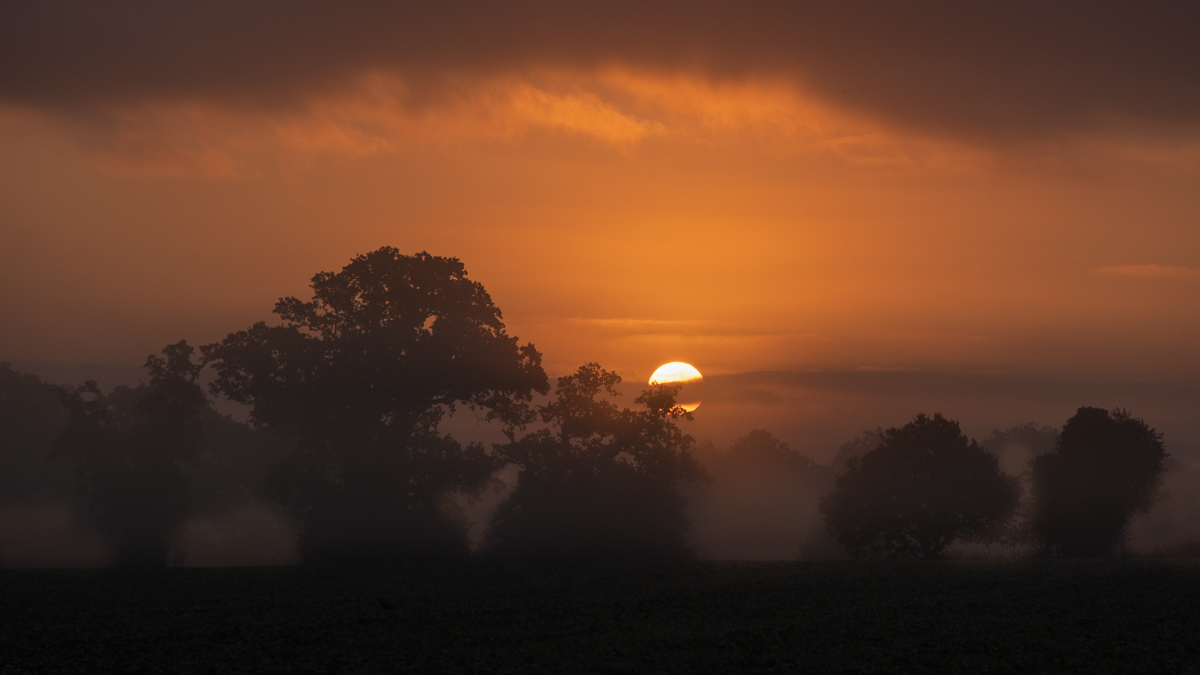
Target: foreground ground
column 1045, row 616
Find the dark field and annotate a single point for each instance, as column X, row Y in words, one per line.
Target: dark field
column 1044, row 616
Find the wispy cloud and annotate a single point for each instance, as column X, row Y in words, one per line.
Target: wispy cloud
column 637, row 324
column 1150, row 271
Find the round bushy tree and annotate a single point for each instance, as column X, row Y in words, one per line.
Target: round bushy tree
column 1106, row 467
column 924, row 486
column 360, row 377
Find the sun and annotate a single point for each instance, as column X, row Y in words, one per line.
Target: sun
column 678, row 372
column 675, row 371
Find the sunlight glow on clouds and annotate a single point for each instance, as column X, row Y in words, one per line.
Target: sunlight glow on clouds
column 621, row 109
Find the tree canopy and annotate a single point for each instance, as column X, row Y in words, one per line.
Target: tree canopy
column 132, row 449
column 360, row 376
column 599, row 481
column 923, row 487
column 31, row 417
column 1105, row 467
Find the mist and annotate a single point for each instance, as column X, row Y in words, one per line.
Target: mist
column 761, row 504
column 1172, row 526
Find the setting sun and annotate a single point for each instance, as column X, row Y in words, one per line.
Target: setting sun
column 678, row 372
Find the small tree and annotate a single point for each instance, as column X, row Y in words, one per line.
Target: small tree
column 1106, row 467
column 760, row 451
column 360, row 378
column 31, row 417
column 132, row 450
column 599, row 481
column 924, row 486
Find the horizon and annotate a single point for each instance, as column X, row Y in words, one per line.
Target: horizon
column 781, row 402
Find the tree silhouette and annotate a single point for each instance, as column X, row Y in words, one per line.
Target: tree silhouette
column 131, row 450
column 925, row 486
column 1106, row 467
column 234, row 464
column 360, row 378
column 599, row 482
column 31, row 417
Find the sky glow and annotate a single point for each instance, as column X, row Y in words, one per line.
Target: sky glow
column 748, row 190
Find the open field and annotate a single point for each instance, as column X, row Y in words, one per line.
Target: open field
column 875, row 616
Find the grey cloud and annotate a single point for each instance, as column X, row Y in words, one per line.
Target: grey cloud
column 1008, row 70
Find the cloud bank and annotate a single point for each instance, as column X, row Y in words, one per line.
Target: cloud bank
column 982, row 71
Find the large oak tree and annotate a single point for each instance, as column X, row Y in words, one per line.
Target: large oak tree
column 360, row 376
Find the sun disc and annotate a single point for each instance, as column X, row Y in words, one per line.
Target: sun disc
column 676, row 371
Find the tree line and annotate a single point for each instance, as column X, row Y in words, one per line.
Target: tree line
column 926, row 486
column 347, row 393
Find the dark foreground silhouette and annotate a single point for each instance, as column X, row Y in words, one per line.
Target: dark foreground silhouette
column 923, row 487
column 131, row 450
column 360, row 378
column 876, row 616
column 600, row 483
column 1106, row 467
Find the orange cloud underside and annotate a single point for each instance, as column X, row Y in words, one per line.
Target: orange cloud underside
column 628, row 217
column 383, row 113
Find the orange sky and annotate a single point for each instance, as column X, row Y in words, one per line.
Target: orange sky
column 721, row 204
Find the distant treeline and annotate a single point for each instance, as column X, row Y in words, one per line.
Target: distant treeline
column 347, row 392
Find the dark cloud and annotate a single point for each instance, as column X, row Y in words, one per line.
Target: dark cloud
column 998, row 70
